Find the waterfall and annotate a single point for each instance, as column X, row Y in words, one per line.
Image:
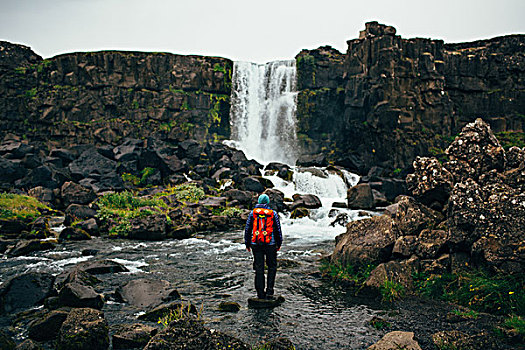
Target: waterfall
column 263, row 110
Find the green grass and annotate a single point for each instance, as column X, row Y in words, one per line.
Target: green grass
column 509, row 139
column 466, row 314
column 477, row 290
column 232, row 212
column 516, row 323
column 348, row 273
column 15, row 206
column 180, row 313
column 391, row 290
column 188, row 192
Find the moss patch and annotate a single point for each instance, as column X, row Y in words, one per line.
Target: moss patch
column 15, row 206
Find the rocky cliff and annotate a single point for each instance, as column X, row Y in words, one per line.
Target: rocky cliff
column 102, row 97
column 389, row 99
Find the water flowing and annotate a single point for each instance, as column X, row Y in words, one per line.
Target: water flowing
column 263, row 110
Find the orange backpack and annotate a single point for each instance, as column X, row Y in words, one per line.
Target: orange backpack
column 262, row 225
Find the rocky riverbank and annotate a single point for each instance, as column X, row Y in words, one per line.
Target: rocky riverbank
column 459, row 236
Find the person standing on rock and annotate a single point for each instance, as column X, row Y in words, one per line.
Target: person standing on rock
column 263, row 237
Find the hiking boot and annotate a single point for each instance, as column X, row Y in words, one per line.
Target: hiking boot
column 261, row 296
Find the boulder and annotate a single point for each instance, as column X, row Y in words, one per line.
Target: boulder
column 216, row 202
column 164, row 309
column 298, row 213
column 478, row 147
column 242, row 197
column 39, row 228
column 75, row 212
column 47, row 327
column 308, row 160
column 11, row 171
column 431, row 243
column 430, row 182
column 84, row 329
column 45, row 195
column 91, row 162
column 367, row 241
column 405, row 246
column 341, row 219
column 75, row 294
column 73, row 234
column 360, row 197
column 147, row 293
column 73, row 193
column 24, row 291
column 255, row 184
column 393, row 271
column 12, row 227
column 229, row 306
column 24, row 247
column 308, row 201
column 190, row 334
column 412, row 217
column 276, row 199
column 150, row 228
column 181, row 232
column 256, row 303
column 396, row 340
column 131, row 336
column 379, row 199
column 90, row 226
column 100, row 267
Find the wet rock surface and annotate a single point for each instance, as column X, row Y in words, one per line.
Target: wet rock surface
column 84, row 328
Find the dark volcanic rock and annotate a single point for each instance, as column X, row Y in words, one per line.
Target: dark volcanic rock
column 84, row 329
column 6, row 342
column 360, row 197
column 24, row 247
column 79, row 295
column 132, row 336
column 164, row 309
column 100, row 267
column 151, row 228
column 190, row 334
column 279, row 344
column 309, row 201
column 47, row 327
column 74, row 193
column 23, row 291
column 73, row 234
column 412, row 217
column 430, row 182
column 396, row 340
column 366, row 241
column 147, row 293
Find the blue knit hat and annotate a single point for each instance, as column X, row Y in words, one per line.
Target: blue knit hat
column 263, row 199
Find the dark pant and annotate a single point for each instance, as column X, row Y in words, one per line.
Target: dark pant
column 259, row 254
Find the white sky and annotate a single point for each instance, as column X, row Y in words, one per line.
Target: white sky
column 246, row 30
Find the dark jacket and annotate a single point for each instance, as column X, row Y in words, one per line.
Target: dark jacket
column 277, row 237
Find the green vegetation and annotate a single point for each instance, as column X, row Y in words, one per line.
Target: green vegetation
column 180, row 313
column 477, row 289
column 218, row 68
column 135, row 104
column 20, row 70
column 516, row 324
column 391, row 290
column 466, row 314
column 215, row 101
column 188, row 192
column 379, row 323
column 31, row 93
column 509, row 139
column 120, row 208
column 15, row 206
column 349, row 273
column 232, row 212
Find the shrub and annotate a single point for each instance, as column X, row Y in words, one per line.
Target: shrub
column 516, row 323
column 232, row 212
column 188, row 192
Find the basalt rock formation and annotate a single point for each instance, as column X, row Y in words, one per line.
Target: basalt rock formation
column 477, row 217
column 103, row 97
column 389, row 99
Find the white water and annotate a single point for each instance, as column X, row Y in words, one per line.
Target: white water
column 263, row 127
column 263, row 110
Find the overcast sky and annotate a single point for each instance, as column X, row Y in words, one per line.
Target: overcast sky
column 246, row 30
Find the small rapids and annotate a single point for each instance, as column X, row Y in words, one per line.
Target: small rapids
column 215, row 267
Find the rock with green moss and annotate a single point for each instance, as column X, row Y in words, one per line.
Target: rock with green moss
column 132, row 336
column 84, row 329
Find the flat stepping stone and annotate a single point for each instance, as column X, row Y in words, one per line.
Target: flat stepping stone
column 256, row 303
